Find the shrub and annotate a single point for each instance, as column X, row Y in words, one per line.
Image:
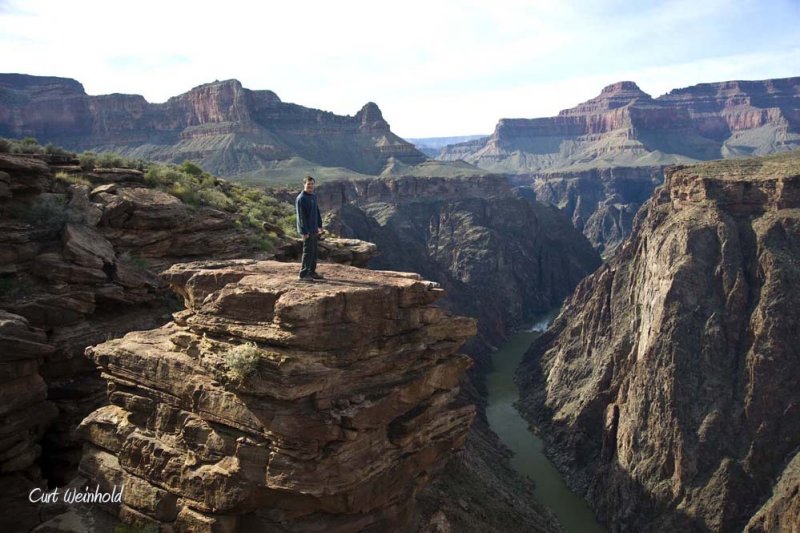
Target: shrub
column 242, row 361
column 264, row 242
column 50, row 211
column 191, row 168
column 72, row 178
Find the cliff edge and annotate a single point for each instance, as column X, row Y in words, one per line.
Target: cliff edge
column 273, row 404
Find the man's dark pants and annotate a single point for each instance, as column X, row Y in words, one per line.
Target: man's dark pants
column 308, row 264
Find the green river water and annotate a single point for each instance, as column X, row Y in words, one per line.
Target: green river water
column 529, row 459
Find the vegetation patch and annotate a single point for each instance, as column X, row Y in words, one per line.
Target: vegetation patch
column 251, row 206
column 47, row 210
column 73, row 179
column 242, row 361
column 29, row 145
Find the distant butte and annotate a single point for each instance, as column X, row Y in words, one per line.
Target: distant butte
column 230, row 130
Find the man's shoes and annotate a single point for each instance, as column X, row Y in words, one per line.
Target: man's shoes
column 307, row 278
column 314, row 275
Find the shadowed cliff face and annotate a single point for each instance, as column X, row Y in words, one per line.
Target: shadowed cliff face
column 600, row 202
column 668, row 385
column 349, row 408
column 229, row 130
column 501, row 257
column 580, row 154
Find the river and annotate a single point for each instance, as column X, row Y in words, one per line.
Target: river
column 572, row 511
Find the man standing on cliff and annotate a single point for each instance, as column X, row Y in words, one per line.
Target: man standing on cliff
column 309, row 225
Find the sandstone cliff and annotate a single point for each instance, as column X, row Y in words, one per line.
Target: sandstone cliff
column 344, row 407
column 668, row 387
column 231, row 131
column 78, row 257
column 569, row 158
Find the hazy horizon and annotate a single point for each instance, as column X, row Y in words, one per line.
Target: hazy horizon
column 441, row 69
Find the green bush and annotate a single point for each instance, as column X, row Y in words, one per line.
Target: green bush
column 49, row 211
column 191, row 168
column 90, row 161
column 242, row 361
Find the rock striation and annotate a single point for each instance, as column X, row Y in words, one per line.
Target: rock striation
column 500, row 256
column 78, row 265
column 25, row 414
column 668, row 387
column 624, row 126
column 624, row 132
column 273, row 404
column 228, row 129
column 601, row 202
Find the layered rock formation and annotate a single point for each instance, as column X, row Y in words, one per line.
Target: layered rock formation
column 25, row 414
column 273, row 404
column 668, row 387
column 231, row 131
column 501, row 257
column 76, row 267
column 624, row 131
column 600, row 202
column 624, row 126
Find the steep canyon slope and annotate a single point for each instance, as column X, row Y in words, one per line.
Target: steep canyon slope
column 500, row 256
column 668, row 389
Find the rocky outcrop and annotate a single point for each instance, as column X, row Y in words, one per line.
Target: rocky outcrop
column 231, row 131
column 25, row 414
column 77, row 266
column 501, row 257
column 624, row 132
column 667, row 388
column 273, row 404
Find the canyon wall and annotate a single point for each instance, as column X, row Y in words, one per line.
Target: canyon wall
column 228, row 129
column 581, row 154
column 501, row 257
column 78, row 257
column 667, row 388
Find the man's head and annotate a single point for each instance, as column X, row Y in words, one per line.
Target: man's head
column 308, row 184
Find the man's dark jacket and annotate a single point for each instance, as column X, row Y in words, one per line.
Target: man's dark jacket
column 309, row 219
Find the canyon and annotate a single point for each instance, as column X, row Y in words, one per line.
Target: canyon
column 599, row 160
column 667, row 388
column 501, row 257
column 80, row 266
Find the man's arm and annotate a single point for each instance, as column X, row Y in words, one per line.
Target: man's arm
column 319, row 219
column 302, row 226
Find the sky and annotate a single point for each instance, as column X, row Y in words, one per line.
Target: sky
column 434, row 67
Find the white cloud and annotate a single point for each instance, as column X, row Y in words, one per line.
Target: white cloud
column 436, row 68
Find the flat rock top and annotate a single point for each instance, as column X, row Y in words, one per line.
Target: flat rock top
column 197, row 280
column 774, row 166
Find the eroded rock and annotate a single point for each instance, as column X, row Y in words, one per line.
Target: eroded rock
column 348, row 410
